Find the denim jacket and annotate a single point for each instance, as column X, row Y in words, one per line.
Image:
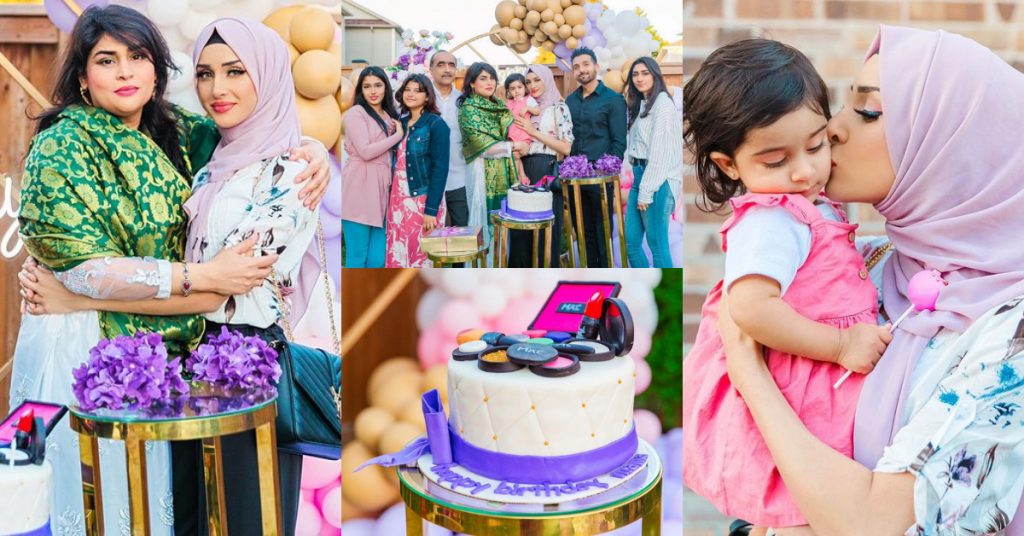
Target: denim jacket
column 426, row 158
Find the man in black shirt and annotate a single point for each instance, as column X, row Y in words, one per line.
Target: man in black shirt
column 599, row 128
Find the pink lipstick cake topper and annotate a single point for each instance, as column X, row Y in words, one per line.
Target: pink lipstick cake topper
column 923, row 291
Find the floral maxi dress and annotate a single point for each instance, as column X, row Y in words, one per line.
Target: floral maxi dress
column 405, row 220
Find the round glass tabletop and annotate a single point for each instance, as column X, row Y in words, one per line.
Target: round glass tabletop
column 637, row 485
column 202, row 402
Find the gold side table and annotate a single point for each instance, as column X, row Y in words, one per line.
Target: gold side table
column 580, row 228
column 639, row 499
column 208, row 416
column 476, row 259
column 502, row 225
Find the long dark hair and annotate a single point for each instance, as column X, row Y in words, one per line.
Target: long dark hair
column 742, row 86
column 430, row 106
column 472, row 74
column 387, row 104
column 633, row 95
column 513, row 78
column 139, row 34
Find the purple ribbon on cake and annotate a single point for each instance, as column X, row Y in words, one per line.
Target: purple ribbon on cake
column 41, row 531
column 446, row 446
column 523, row 215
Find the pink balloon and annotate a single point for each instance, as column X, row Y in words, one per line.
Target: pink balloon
column 332, row 507
column 648, row 425
column 643, row 375
column 307, row 495
column 434, row 347
column 641, row 344
column 309, row 520
column 518, row 314
column 318, row 495
column 318, row 472
column 328, row 530
column 458, row 315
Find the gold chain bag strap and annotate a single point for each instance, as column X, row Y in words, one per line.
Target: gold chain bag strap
column 309, row 390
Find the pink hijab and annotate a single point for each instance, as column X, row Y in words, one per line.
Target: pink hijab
column 957, row 205
column 551, row 95
column 271, row 130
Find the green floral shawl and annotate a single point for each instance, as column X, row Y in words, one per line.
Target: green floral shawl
column 93, row 187
column 483, row 123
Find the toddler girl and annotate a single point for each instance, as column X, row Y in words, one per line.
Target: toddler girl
column 756, row 113
column 522, row 105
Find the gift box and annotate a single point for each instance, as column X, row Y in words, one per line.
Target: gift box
column 452, row 240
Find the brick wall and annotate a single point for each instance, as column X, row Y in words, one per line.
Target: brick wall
column 834, row 34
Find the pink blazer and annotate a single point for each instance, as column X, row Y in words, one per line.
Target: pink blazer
column 367, row 173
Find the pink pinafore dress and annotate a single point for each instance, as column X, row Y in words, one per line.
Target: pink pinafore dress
column 727, row 461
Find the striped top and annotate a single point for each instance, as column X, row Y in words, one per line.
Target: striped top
column 657, row 138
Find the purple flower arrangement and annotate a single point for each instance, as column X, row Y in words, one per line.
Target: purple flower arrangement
column 415, row 52
column 235, row 362
column 578, row 167
column 127, row 372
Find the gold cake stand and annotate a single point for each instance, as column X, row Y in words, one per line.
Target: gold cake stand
column 502, row 225
column 477, row 259
column 581, row 228
column 135, row 428
column 638, row 499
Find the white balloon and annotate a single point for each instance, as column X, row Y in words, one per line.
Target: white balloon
column 177, row 42
column 182, row 79
column 204, row 5
column 460, row 283
column 188, row 100
column 431, row 275
column 167, row 12
column 428, row 308
column 650, row 276
column 490, row 300
column 514, row 284
column 195, row 22
column 254, row 9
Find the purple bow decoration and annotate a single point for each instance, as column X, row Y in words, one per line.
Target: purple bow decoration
column 437, row 442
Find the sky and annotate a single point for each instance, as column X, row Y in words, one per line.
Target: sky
column 468, row 18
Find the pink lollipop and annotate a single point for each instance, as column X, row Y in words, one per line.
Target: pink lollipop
column 923, row 291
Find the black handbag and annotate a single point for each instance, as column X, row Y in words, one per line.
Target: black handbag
column 309, row 390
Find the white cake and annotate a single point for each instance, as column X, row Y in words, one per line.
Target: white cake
column 25, row 502
column 536, row 201
column 523, row 413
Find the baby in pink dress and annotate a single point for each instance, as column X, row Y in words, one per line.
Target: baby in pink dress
column 522, row 105
column 756, row 114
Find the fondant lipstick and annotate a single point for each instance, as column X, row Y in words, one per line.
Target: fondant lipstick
column 24, row 429
column 591, row 318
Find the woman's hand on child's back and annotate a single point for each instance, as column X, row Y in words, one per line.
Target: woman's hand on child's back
column 861, row 346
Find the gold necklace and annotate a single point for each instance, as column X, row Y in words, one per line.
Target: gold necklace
column 877, row 255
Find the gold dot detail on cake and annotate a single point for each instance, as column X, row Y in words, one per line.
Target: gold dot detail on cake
column 534, row 408
column 584, row 404
column 494, row 438
column 545, row 443
column 592, row 434
column 485, row 400
column 620, row 380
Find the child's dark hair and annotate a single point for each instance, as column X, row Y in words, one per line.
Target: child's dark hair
column 742, row 86
column 514, row 77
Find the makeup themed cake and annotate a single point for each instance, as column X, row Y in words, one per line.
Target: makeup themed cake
column 542, row 416
column 528, row 203
column 25, row 474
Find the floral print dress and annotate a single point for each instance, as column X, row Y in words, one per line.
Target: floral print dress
column 963, row 437
column 405, row 220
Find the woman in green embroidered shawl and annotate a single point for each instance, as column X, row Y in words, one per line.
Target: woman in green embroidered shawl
column 102, row 200
column 484, row 122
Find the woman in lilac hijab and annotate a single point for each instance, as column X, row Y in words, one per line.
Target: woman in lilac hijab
column 930, row 137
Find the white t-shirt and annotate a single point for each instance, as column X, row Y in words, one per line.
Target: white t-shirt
column 450, row 114
column 771, row 242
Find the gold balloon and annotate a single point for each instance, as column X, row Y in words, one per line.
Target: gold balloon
column 566, row 3
column 522, row 3
column 516, row 24
column 367, row 490
column 550, row 28
column 312, row 28
column 349, row 511
column 292, row 54
column 390, row 367
column 394, row 391
column 572, row 43
column 398, row 435
column 346, row 93
column 523, row 37
column 520, row 11
column 317, row 74
column 371, row 423
column 436, row 377
column 532, row 19
column 412, row 413
column 579, row 31
column 614, row 80
column 536, row 5
column 495, row 37
column 319, row 118
column 564, row 32
column 559, row 19
column 281, row 19
column 549, row 45
column 574, row 15
column 547, row 15
column 555, row 5
column 509, row 35
column 523, row 47
column 354, row 75
column 505, row 11
column 625, row 68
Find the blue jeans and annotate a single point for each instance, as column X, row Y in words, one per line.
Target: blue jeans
column 652, row 222
column 365, row 245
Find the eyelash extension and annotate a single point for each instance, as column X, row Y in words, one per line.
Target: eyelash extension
column 869, row 115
